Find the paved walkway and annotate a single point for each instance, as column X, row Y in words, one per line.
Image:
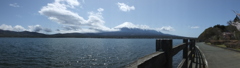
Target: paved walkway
column 219, row 57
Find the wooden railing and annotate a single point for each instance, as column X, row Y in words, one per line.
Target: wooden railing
column 162, row 58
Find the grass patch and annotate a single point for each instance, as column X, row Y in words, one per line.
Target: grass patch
column 221, row 46
column 237, row 49
column 208, row 43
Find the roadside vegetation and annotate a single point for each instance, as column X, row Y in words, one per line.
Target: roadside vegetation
column 225, row 36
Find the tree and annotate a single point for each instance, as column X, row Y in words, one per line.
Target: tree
column 221, row 27
column 236, row 19
column 231, row 23
column 210, row 33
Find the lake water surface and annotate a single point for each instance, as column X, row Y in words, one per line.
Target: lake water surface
column 75, row 52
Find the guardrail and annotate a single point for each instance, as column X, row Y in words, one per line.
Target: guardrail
column 162, row 58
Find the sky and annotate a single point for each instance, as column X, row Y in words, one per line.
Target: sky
column 178, row 17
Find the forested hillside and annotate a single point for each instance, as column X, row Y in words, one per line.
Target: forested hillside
column 222, row 32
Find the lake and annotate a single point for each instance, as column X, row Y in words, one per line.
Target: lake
column 75, row 52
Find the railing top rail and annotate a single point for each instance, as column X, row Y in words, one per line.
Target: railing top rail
column 178, row 48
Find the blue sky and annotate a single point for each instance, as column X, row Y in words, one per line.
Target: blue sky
column 178, row 17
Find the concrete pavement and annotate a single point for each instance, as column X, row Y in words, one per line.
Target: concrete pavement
column 219, row 57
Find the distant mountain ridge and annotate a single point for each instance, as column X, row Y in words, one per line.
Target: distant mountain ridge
column 6, row 33
column 123, row 33
column 134, row 32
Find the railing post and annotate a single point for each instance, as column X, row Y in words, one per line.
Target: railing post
column 167, row 48
column 192, row 54
column 158, row 46
column 185, row 53
column 194, row 49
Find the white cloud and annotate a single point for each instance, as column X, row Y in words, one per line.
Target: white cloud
column 35, row 28
column 144, row 27
column 19, row 28
column 166, row 28
column 72, row 22
column 71, row 28
column 10, row 28
column 66, row 3
column 58, row 11
column 124, row 7
column 77, row 31
column 38, row 28
column 14, row 5
column 100, row 9
column 194, row 27
column 6, row 27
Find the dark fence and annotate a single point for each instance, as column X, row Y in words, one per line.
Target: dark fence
column 162, row 58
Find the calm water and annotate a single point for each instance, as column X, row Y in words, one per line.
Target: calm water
column 74, row 52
